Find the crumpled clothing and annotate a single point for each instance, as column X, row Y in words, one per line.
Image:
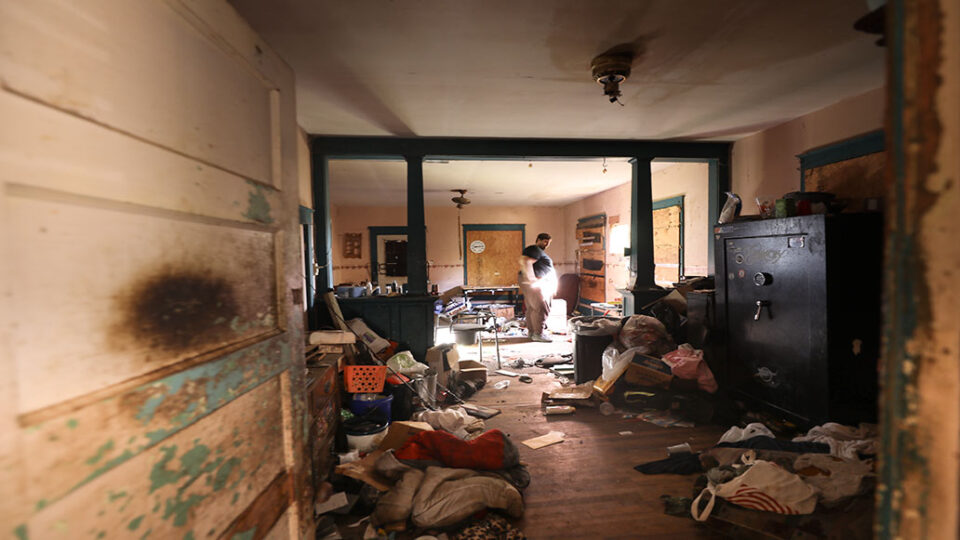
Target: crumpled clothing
column 834, row 478
column 762, row 442
column 680, row 463
column 454, row 420
column 489, row 452
column 491, row 526
column 440, row 496
column 687, row 363
column 736, row 434
column 844, row 441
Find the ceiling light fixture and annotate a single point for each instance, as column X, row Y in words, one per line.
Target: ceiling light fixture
column 609, row 70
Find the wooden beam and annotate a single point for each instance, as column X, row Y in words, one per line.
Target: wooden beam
column 416, row 228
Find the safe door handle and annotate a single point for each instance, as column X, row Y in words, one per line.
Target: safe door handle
column 760, row 305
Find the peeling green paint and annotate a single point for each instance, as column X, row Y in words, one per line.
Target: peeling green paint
column 102, row 451
column 146, row 534
column 245, row 535
column 127, row 454
column 188, row 536
column 149, row 408
column 180, row 508
column 135, row 522
column 258, row 208
column 222, row 381
column 223, row 473
column 21, row 532
column 236, row 497
column 113, row 496
column 101, row 534
column 41, row 504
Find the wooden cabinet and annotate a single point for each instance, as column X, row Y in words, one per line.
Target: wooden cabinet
column 323, row 412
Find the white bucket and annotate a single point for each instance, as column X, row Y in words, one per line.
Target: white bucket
column 368, row 442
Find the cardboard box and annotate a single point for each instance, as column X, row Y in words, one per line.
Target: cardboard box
column 399, row 432
column 443, row 359
column 471, row 370
column 648, row 371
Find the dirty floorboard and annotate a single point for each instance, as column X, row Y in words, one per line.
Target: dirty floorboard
column 586, row 487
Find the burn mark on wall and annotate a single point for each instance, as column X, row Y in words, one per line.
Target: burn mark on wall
column 178, row 310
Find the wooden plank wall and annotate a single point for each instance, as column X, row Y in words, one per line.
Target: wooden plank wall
column 152, row 379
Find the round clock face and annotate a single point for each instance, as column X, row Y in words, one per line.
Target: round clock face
column 477, row 246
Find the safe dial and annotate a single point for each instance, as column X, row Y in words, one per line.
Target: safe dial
column 762, row 278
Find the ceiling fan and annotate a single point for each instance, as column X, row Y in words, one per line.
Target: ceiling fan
column 461, row 200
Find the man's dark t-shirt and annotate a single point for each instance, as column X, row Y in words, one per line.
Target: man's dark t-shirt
column 543, row 264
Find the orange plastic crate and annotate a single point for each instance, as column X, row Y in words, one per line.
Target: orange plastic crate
column 364, row 379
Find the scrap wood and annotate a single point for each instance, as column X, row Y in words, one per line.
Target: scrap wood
column 479, row 411
column 334, row 308
column 537, row 443
column 582, row 391
column 546, row 400
column 363, row 470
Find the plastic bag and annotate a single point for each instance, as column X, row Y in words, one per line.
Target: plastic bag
column 404, row 363
column 687, row 363
column 765, row 486
column 646, row 334
column 594, row 326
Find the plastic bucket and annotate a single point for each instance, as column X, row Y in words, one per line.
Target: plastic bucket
column 361, row 405
column 365, row 440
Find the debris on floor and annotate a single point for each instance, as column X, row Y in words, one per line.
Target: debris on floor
column 537, row 443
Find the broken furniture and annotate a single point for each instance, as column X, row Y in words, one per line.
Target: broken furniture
column 798, row 309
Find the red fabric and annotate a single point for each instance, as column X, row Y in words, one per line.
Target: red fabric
column 486, row 452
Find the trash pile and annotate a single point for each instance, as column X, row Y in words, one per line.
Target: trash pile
column 820, row 474
column 634, row 365
column 413, row 455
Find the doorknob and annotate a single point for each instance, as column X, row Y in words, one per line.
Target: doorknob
column 760, row 305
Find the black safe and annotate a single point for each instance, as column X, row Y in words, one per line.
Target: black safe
column 798, row 314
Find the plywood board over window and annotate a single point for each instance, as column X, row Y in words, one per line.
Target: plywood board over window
column 491, row 254
column 668, row 240
column 851, row 169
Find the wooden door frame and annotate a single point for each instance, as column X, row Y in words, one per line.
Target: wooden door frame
column 375, row 233
column 667, row 203
column 522, row 227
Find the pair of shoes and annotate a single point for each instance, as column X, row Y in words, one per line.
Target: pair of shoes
column 540, row 338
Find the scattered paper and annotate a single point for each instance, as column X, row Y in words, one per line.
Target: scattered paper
column 537, row 443
column 508, row 373
column 626, row 433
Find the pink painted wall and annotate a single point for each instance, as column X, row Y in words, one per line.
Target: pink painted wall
column 688, row 179
column 446, row 266
column 766, row 163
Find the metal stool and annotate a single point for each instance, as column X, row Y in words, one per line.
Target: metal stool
column 481, row 318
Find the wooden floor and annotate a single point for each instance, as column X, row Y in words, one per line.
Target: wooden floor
column 586, row 487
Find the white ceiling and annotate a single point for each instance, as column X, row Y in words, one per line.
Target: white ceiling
column 489, row 183
column 706, row 69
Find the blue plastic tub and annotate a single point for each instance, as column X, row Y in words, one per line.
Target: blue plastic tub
column 382, row 403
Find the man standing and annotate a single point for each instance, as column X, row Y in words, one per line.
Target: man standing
column 538, row 283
